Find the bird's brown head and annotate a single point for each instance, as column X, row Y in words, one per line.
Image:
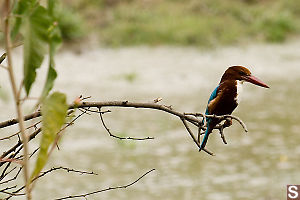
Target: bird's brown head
column 242, row 74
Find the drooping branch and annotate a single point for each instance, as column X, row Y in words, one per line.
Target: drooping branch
column 118, row 137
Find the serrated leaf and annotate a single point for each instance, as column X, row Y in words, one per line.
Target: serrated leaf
column 54, row 112
column 35, row 43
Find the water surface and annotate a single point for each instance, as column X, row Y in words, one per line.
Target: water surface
column 254, row 165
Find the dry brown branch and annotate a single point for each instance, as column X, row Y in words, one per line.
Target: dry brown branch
column 193, row 118
column 13, row 178
column 197, row 120
column 64, row 169
column 15, row 121
column 106, row 189
column 118, row 137
column 193, row 137
column 224, row 117
column 19, row 144
column 17, row 133
column 16, row 192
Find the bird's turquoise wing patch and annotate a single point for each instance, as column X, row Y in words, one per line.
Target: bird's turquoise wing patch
column 212, row 96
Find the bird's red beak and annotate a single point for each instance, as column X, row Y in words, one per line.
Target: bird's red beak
column 256, row 81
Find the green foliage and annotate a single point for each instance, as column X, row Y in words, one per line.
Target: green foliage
column 54, row 111
column 71, row 25
column 191, row 22
column 39, row 29
column 54, row 41
column 277, row 28
column 21, row 9
column 35, row 39
column 38, row 26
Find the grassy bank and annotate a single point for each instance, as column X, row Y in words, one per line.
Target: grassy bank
column 180, row 22
column 189, row 22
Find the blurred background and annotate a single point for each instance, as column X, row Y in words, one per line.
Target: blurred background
column 139, row 50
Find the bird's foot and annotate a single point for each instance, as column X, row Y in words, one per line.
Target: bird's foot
column 227, row 123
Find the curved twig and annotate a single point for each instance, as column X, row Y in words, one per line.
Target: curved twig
column 106, row 189
column 118, row 137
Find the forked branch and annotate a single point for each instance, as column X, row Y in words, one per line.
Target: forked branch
column 195, row 119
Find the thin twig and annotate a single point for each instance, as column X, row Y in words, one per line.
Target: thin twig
column 13, row 178
column 199, row 133
column 118, row 137
column 193, row 137
column 19, row 144
column 65, row 169
column 17, row 133
column 96, row 111
column 13, row 193
column 223, row 117
column 8, row 188
column 107, row 189
column 4, row 173
column 222, row 135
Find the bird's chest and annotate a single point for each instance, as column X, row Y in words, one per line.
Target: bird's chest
column 239, row 89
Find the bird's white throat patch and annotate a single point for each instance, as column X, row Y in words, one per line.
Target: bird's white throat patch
column 239, row 89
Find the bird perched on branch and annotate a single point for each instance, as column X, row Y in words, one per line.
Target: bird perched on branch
column 225, row 98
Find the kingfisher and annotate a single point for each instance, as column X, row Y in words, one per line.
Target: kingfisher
column 225, row 98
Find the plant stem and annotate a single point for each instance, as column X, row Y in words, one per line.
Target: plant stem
column 16, row 95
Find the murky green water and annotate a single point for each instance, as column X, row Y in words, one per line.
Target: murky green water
column 254, row 165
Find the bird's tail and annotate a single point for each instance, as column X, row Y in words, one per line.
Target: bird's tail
column 211, row 123
column 204, row 141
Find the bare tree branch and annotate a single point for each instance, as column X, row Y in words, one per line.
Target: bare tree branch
column 197, row 120
column 118, row 137
column 224, row 117
column 190, row 117
column 106, row 189
column 65, row 169
column 193, row 137
column 15, row 121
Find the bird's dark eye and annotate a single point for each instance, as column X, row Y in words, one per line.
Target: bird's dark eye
column 242, row 73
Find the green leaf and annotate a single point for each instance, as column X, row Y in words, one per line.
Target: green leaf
column 54, row 112
column 54, row 41
column 35, row 41
column 21, row 9
column 54, row 8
